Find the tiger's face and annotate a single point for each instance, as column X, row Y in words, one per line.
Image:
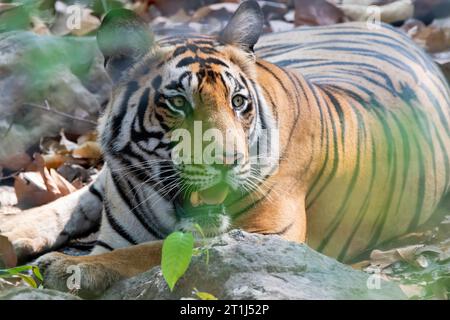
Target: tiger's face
column 191, row 108
column 202, row 99
column 203, row 91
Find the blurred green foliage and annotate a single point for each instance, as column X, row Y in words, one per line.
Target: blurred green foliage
column 43, row 57
column 19, row 16
column 435, row 278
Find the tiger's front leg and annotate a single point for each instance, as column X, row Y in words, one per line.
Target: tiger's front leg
column 48, row 227
column 89, row 276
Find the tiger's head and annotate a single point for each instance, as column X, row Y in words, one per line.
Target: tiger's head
column 186, row 115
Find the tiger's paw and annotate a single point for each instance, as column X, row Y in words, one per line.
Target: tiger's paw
column 78, row 275
column 16, row 250
column 25, row 235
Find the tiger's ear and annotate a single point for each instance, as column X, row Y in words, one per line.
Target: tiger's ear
column 245, row 26
column 123, row 38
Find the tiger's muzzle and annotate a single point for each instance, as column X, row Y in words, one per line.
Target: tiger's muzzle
column 210, row 188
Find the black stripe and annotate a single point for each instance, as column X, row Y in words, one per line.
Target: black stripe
column 203, row 62
column 324, row 132
column 285, row 90
column 281, row 232
column 406, row 155
column 343, row 207
column 179, row 51
column 335, row 147
column 156, row 82
column 392, row 177
column 86, row 217
column 142, row 109
column 116, row 125
column 104, row 245
column 95, row 192
column 117, row 227
column 296, row 103
column 216, row 61
column 364, row 208
column 135, row 211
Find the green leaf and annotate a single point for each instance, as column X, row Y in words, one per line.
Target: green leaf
column 176, row 256
column 205, row 250
column 28, row 280
column 204, row 295
column 37, row 273
column 19, row 272
column 14, row 271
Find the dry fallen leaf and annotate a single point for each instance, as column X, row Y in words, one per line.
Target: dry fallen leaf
column 170, row 7
column 361, row 265
column 56, row 184
column 422, row 261
column 41, row 186
column 88, row 150
column 88, row 23
column 432, row 38
column 16, row 162
column 66, row 143
column 392, row 11
column 384, row 259
column 218, row 11
column 90, row 136
column 39, row 27
column 58, row 151
column 31, row 190
column 54, row 161
column 317, row 12
column 412, row 291
column 273, row 10
column 77, row 22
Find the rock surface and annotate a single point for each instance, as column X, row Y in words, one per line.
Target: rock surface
column 250, row 266
column 35, row 294
column 247, row 266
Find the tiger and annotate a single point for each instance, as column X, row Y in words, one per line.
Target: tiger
column 361, row 115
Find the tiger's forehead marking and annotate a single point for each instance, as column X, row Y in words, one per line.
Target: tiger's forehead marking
column 197, row 52
column 189, row 63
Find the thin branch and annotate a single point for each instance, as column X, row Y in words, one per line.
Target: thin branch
column 10, row 176
column 47, row 108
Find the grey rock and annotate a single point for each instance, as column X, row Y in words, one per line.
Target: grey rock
column 35, row 294
column 251, row 266
column 67, row 72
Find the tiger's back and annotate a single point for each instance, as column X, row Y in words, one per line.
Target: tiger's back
column 384, row 132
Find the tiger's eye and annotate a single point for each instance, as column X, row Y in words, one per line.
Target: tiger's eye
column 178, row 101
column 238, row 101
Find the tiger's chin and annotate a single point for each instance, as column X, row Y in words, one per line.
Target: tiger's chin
column 203, row 220
column 210, row 226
